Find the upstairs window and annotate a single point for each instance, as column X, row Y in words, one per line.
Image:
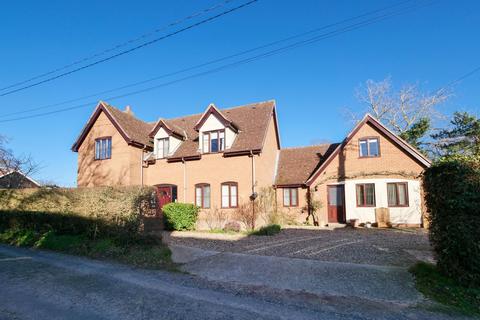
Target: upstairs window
column 229, row 195
column 213, row 141
column 103, row 148
column 369, row 147
column 290, row 197
column 202, row 195
column 365, row 195
column 163, row 145
column 397, row 194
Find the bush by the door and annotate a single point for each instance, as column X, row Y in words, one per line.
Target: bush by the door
column 180, row 216
column 452, row 188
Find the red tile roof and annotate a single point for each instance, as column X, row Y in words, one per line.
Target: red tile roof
column 295, row 165
column 251, row 120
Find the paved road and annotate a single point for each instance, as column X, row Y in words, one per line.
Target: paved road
column 41, row 285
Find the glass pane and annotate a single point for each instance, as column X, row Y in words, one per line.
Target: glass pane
column 360, row 195
column 222, row 140
column 363, row 148
column 205, row 142
column 294, row 197
column 370, row 194
column 165, row 147
column 206, row 197
column 402, row 194
column 225, row 196
column 373, row 147
column 392, row 194
column 109, row 148
column 103, row 148
column 233, row 196
column 286, row 197
column 97, row 149
column 214, row 145
column 198, row 196
column 332, row 196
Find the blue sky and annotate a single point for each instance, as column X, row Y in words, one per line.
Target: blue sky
column 312, row 84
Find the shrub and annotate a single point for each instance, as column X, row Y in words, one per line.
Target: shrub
column 270, row 230
column 452, row 189
column 180, row 216
column 232, row 226
column 247, row 213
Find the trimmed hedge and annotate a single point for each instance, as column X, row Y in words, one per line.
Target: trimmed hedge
column 180, row 216
column 452, row 189
column 94, row 212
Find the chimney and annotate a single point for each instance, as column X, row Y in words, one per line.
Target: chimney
column 128, row 110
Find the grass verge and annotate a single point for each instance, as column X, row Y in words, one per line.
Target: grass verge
column 143, row 251
column 446, row 291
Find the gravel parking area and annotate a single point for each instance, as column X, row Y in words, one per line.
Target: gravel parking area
column 388, row 247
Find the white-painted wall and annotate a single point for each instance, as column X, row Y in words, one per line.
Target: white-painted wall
column 212, row 123
column 174, row 143
column 403, row 215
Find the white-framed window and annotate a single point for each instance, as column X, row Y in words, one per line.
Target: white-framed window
column 229, row 194
column 163, row 145
column 213, row 141
column 369, row 147
column 103, row 148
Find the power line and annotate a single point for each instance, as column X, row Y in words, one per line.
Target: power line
column 123, row 44
column 237, row 63
column 132, row 49
column 299, row 35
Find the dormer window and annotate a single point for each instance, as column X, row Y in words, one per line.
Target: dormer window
column 369, row 147
column 163, row 145
column 213, row 141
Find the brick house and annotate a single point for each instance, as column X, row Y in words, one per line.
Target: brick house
column 219, row 158
column 15, row 179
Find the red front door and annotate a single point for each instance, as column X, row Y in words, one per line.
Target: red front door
column 164, row 196
column 336, row 203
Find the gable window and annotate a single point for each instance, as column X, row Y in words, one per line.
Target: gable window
column 397, row 194
column 290, row 197
column 365, row 195
column 163, row 145
column 229, row 195
column 369, row 147
column 213, row 141
column 202, row 195
column 103, row 148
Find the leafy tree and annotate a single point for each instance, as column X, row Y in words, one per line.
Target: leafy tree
column 416, row 132
column 462, row 138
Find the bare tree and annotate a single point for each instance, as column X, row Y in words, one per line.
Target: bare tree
column 408, row 112
column 11, row 162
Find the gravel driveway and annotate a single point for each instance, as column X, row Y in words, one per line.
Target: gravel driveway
column 385, row 247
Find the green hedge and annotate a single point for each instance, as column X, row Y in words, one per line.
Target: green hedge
column 94, row 212
column 180, row 216
column 452, row 188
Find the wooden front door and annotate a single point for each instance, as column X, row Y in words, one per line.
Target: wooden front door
column 166, row 194
column 336, row 203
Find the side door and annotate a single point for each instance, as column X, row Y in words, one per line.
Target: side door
column 336, row 203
